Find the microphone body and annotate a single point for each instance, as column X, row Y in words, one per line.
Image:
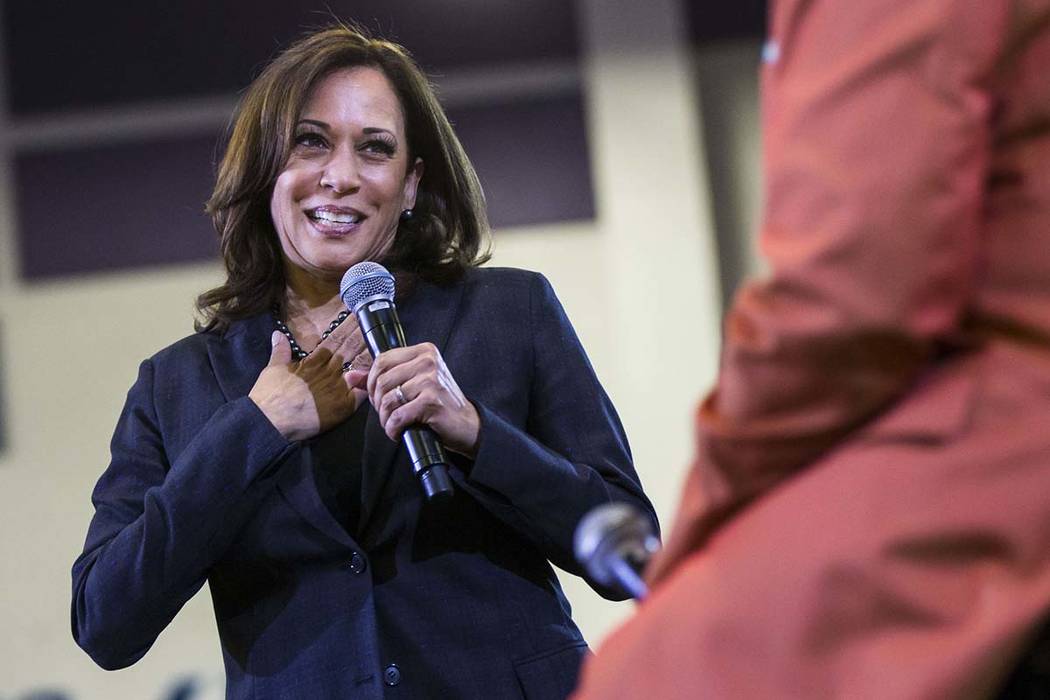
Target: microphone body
column 382, row 331
column 614, row 542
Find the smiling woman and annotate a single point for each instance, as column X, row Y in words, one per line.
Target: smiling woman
column 334, row 94
column 262, row 453
column 348, row 177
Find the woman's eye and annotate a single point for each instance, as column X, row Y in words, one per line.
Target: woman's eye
column 310, row 140
column 378, row 146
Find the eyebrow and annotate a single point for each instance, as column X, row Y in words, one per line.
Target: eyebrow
column 378, row 130
column 366, row 130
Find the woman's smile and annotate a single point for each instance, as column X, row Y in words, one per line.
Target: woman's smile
column 335, row 221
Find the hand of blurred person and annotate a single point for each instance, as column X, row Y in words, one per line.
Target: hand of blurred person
column 308, row 397
column 413, row 385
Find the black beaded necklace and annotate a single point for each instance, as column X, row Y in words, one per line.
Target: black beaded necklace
column 297, row 352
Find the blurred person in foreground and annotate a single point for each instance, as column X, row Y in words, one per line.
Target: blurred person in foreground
column 274, row 470
column 868, row 513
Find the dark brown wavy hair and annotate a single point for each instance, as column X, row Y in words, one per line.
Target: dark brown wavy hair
column 448, row 231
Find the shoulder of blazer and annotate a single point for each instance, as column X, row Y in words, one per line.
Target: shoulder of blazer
column 207, row 356
column 190, row 346
column 477, row 289
column 197, row 344
column 502, row 277
column 506, row 286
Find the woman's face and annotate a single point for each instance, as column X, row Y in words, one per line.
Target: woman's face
column 338, row 200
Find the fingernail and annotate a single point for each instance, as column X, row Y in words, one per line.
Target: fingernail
column 275, row 338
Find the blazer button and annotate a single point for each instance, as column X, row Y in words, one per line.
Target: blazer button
column 392, row 675
column 358, row 563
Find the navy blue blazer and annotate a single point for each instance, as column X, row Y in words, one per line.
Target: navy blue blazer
column 459, row 602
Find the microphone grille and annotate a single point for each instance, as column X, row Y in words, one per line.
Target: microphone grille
column 613, row 530
column 366, row 281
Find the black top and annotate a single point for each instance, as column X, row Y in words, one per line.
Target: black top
column 336, row 465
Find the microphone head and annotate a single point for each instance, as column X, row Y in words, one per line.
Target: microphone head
column 366, row 281
column 610, row 532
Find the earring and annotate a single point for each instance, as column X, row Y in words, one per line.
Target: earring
column 406, row 215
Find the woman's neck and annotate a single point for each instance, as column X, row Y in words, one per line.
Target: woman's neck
column 310, row 305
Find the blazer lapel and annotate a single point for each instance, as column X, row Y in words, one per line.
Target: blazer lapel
column 237, row 359
column 239, row 355
column 427, row 316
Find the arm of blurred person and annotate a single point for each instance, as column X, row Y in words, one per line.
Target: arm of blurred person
column 876, row 142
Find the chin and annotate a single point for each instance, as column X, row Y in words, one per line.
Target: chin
column 332, row 261
column 336, row 263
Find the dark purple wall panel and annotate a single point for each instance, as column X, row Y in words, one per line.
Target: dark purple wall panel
column 115, row 206
column 74, row 55
column 532, row 159
column 141, row 204
column 719, row 21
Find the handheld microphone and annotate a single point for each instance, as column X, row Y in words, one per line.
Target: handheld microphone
column 367, row 289
column 614, row 542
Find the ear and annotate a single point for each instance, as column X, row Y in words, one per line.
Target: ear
column 412, row 178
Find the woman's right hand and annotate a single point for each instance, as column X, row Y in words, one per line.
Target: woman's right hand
column 305, row 398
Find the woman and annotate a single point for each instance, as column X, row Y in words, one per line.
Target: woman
column 868, row 513
column 261, row 454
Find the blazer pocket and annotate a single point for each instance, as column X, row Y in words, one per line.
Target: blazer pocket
column 938, row 407
column 551, row 675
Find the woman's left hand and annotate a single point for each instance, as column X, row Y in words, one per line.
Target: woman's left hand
column 412, row 385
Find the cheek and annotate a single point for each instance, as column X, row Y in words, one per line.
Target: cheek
column 388, row 190
column 279, row 196
column 287, row 190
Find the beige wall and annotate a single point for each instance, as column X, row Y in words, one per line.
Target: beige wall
column 70, row 351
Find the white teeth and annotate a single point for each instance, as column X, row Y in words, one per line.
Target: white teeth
column 336, row 218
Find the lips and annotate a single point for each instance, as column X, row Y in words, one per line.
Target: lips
column 334, row 220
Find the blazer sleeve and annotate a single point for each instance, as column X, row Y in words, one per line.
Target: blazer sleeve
column 572, row 455
column 158, row 527
column 877, row 135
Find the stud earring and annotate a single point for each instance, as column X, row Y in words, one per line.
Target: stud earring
column 406, row 215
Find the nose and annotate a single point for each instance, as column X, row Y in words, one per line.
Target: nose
column 340, row 172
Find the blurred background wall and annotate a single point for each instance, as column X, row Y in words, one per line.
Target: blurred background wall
column 618, row 146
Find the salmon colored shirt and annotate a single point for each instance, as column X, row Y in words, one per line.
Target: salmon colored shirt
column 868, row 512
